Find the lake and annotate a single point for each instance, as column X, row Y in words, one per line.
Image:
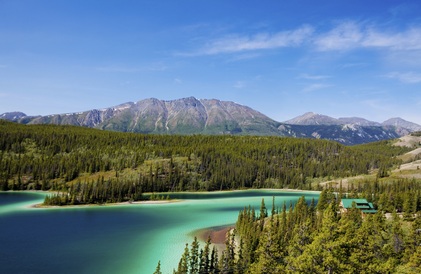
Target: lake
column 119, row 238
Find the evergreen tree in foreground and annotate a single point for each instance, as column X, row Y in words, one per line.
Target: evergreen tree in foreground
column 307, row 240
column 158, row 268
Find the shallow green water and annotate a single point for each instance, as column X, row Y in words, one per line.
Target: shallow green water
column 114, row 239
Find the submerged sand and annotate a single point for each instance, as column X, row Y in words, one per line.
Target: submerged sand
column 217, row 234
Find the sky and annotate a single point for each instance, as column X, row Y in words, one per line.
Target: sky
column 282, row 58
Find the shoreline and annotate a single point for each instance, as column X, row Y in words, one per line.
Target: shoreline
column 108, row 204
column 159, row 201
column 217, row 234
column 187, row 192
column 289, row 189
column 240, row 190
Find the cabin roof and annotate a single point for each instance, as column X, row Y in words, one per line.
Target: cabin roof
column 361, row 204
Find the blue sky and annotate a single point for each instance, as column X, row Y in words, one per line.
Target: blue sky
column 282, row 58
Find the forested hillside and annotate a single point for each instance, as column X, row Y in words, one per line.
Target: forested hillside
column 312, row 238
column 94, row 166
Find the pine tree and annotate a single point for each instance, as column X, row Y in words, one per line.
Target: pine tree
column 213, row 266
column 194, row 256
column 397, row 236
column 322, row 203
column 4, row 186
column 158, row 268
column 263, row 214
column 321, row 256
column 269, row 252
column 301, row 238
column 183, row 265
column 227, row 262
column 204, row 260
column 273, row 207
column 414, row 263
column 369, row 254
column 348, row 229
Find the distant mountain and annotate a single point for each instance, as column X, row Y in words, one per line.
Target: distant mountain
column 344, row 134
column 311, row 119
column 193, row 116
column 12, row 116
column 182, row 116
column 359, row 121
column 398, row 125
column 401, row 126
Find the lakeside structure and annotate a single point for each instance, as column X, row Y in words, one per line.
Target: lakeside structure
column 361, row 204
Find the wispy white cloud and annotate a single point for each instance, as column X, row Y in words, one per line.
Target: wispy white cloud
column 245, row 56
column 4, row 94
column 156, row 67
column 344, row 36
column 117, row 69
column 178, row 81
column 405, row 77
column 239, row 85
column 353, row 65
column 239, row 43
column 314, row 87
column 410, row 59
column 375, row 104
column 351, row 35
column 313, row 77
column 406, row 40
column 402, row 9
column 128, row 69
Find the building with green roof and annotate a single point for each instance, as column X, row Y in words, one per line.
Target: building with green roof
column 361, row 204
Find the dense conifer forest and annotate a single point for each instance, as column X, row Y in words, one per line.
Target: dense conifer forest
column 310, row 238
column 92, row 166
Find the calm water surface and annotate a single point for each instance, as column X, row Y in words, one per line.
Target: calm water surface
column 115, row 239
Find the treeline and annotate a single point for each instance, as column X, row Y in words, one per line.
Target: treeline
column 309, row 238
column 50, row 157
column 388, row 195
column 98, row 192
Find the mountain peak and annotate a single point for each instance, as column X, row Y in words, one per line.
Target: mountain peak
column 311, row 118
column 15, row 115
column 395, row 121
column 401, row 126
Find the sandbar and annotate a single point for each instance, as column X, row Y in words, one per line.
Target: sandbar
column 107, row 204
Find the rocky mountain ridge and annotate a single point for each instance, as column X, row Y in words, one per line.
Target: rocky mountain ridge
column 401, row 126
column 212, row 116
column 311, row 118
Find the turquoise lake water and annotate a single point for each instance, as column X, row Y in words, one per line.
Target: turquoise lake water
column 115, row 239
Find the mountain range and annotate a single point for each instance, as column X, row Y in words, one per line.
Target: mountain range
column 211, row 116
column 401, row 126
